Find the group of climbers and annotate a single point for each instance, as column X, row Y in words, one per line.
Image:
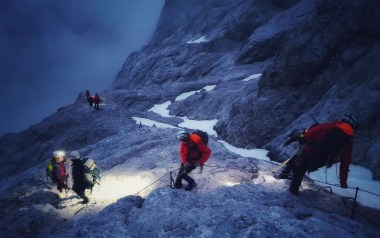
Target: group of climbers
column 321, row 145
column 93, row 100
column 84, row 173
column 194, row 152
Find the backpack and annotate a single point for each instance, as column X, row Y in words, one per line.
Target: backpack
column 49, row 171
column 203, row 135
column 91, row 172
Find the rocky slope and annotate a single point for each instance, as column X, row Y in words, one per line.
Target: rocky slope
column 318, row 58
column 273, row 63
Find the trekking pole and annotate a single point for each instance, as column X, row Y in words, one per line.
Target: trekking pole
column 315, row 121
column 171, row 180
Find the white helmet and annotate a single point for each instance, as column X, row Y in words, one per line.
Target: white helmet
column 75, row 154
column 58, row 153
column 58, row 156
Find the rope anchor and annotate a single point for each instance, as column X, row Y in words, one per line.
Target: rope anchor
column 354, row 200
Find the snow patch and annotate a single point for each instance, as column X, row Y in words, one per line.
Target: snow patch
column 148, row 122
column 188, row 94
column 161, row 109
column 205, row 125
column 253, row 76
column 198, row 40
column 260, row 154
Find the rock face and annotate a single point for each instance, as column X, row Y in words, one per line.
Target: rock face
column 272, row 63
column 318, row 58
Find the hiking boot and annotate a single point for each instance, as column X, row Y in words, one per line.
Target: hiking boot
column 283, row 176
column 293, row 191
column 190, row 186
column 85, row 201
column 178, row 185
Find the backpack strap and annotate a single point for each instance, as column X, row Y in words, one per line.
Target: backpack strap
column 92, row 166
column 193, row 147
column 92, row 170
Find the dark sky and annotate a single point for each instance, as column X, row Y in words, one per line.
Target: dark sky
column 51, row 50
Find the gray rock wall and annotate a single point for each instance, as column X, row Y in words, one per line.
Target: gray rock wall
column 317, row 57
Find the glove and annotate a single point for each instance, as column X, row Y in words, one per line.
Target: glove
column 200, row 166
column 289, row 141
column 343, row 185
column 295, row 135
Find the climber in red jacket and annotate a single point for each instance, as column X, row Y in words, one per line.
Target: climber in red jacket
column 193, row 153
column 96, row 100
column 326, row 144
column 59, row 171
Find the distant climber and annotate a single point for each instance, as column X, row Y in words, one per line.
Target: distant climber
column 96, row 99
column 193, row 153
column 85, row 175
column 58, row 170
column 326, row 144
column 89, row 98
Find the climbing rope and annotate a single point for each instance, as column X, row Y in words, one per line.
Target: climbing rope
column 268, row 170
column 155, row 181
column 172, row 180
column 271, row 170
column 337, row 185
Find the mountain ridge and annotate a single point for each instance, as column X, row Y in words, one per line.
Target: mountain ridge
column 246, row 50
column 316, row 58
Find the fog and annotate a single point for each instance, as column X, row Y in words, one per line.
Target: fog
column 53, row 50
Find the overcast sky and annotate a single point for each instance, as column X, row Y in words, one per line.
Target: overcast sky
column 51, row 50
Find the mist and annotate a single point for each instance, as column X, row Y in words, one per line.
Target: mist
column 53, row 50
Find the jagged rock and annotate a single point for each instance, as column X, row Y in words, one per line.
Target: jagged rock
column 318, row 58
column 321, row 58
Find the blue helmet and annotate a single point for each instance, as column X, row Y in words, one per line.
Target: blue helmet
column 350, row 119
